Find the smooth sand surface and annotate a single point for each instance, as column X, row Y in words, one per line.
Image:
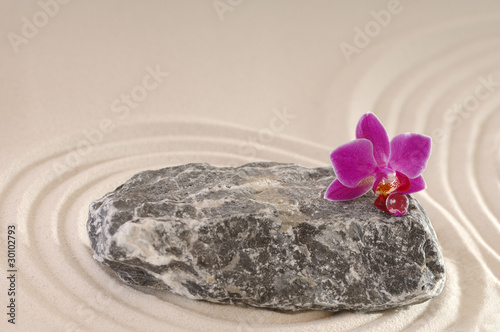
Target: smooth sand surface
column 93, row 92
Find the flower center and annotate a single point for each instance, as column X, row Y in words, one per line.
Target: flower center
column 387, row 185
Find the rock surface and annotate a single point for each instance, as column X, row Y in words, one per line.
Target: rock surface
column 263, row 235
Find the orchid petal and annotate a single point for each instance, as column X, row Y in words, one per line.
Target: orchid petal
column 404, row 183
column 369, row 127
column 353, row 161
column 417, row 184
column 338, row 192
column 409, row 153
column 378, row 178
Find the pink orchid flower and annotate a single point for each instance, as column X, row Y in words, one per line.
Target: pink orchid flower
column 390, row 168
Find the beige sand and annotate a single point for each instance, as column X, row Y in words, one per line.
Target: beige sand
column 94, row 92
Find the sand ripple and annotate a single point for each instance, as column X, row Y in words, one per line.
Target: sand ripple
column 61, row 280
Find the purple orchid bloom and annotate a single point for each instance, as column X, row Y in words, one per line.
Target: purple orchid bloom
column 390, row 168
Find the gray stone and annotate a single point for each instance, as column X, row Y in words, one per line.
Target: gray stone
column 263, row 235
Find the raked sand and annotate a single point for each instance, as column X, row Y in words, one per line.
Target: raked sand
column 94, row 92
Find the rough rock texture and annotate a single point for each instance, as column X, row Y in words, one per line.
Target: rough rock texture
column 263, row 235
